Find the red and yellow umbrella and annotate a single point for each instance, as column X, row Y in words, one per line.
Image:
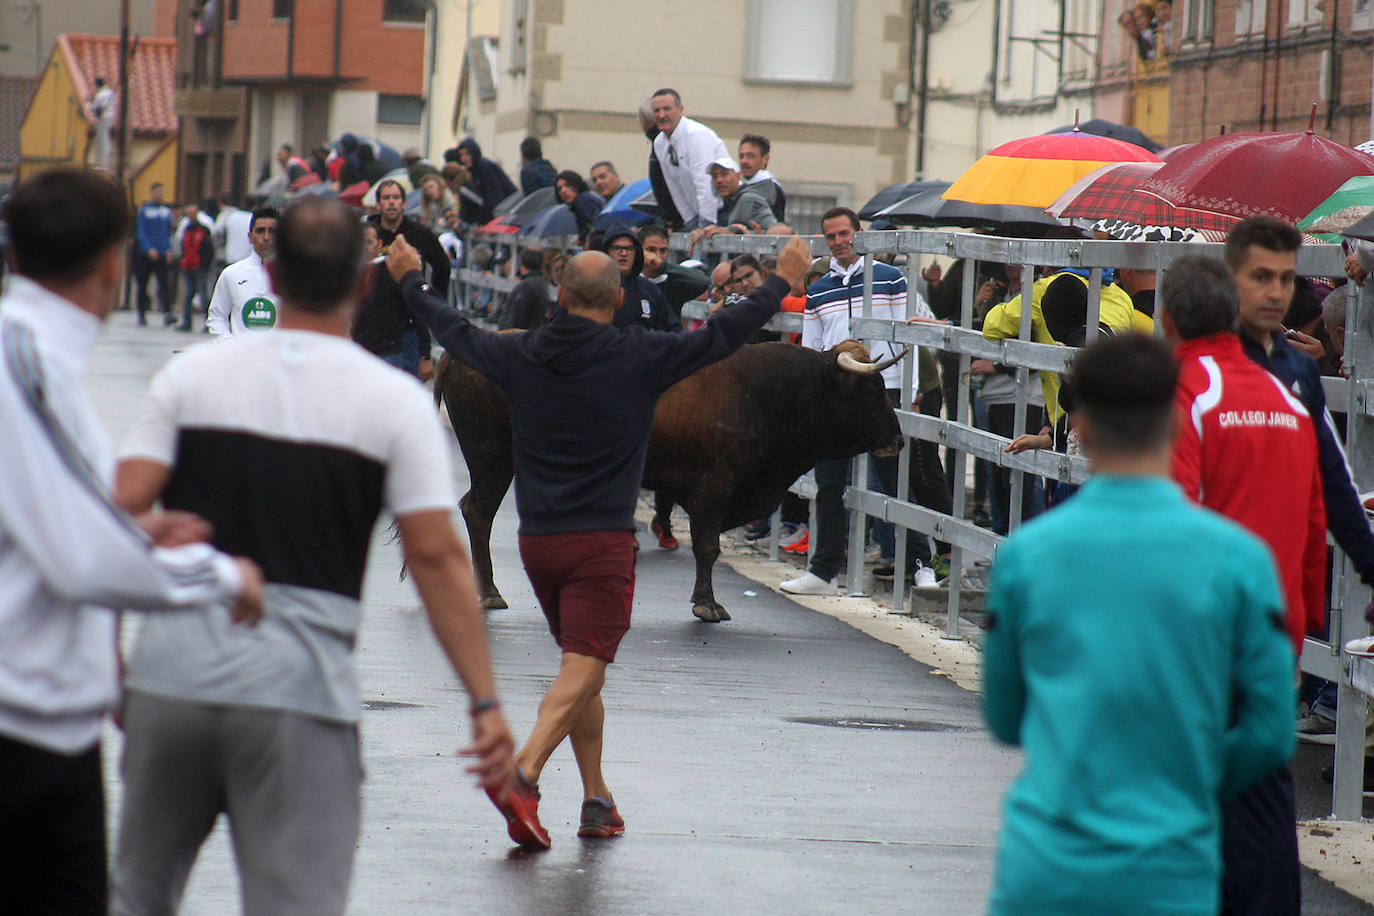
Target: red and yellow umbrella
column 1034, row 171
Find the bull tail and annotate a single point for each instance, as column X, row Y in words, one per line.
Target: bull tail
column 446, row 363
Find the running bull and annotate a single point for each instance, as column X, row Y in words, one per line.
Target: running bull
column 726, row 442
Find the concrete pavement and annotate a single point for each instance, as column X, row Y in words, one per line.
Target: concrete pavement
column 784, row 760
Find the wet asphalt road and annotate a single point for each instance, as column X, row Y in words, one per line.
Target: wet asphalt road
column 782, row 761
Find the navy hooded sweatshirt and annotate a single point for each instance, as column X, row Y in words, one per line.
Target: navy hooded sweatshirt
column 582, row 398
column 645, row 305
column 489, row 180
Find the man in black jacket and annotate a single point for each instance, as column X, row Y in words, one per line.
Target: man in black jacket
column 527, row 306
column 644, row 304
column 582, row 393
column 391, row 222
column 383, row 322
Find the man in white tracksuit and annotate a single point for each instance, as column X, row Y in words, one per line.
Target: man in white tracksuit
column 68, row 556
column 685, row 148
column 243, row 299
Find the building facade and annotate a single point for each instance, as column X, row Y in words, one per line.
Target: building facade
column 255, row 74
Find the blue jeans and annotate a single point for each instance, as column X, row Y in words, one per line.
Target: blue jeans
column 195, row 286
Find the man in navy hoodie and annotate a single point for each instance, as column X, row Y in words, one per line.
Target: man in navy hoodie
column 582, row 393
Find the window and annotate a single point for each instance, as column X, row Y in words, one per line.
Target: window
column 404, row 10
column 1197, row 22
column 806, row 201
column 519, row 31
column 231, row 10
column 1303, row 13
column 1362, row 15
column 400, row 109
column 800, row 41
column 282, row 9
column 1250, row 18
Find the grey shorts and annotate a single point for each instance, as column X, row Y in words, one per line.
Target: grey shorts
column 288, row 783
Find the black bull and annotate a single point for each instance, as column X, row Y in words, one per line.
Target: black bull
column 726, row 442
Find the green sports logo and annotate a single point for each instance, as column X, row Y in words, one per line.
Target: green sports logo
column 259, row 313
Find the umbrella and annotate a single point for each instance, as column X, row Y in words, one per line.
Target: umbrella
column 1364, row 229
column 1350, row 203
column 498, row 226
column 646, row 203
column 1132, row 232
column 353, row 194
column 1034, row 171
column 1240, row 175
column 619, row 205
column 530, row 205
column 1108, row 193
column 556, row 220
column 896, row 193
column 1100, row 127
column 930, row 209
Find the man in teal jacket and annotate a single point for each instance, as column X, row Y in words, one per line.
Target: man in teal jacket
column 1143, row 689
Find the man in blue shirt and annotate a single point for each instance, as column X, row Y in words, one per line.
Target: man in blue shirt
column 1142, row 700
column 153, row 254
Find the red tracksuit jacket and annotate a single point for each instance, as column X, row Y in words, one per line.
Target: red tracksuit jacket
column 1246, row 448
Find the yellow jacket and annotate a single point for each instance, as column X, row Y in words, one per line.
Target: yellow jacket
column 1116, row 312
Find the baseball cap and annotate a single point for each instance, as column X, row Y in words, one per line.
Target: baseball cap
column 724, row 162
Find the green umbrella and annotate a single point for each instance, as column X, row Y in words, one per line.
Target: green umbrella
column 1346, row 206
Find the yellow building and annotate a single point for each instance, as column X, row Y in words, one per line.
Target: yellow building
column 57, row 131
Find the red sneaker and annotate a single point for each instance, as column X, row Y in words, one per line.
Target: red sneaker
column 600, row 820
column 666, row 541
column 800, row 545
column 519, row 804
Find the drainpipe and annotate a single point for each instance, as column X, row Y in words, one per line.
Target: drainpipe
column 923, row 88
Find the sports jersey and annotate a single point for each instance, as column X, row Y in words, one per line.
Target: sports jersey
column 243, row 299
column 291, row 463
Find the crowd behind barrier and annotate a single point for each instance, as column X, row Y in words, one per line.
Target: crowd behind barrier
column 971, row 544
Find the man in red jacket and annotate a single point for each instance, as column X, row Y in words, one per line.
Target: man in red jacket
column 1246, row 448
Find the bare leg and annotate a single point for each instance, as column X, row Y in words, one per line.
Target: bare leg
column 586, row 744
column 578, row 682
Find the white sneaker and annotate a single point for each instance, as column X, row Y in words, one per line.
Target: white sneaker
column 808, row 583
column 924, row 577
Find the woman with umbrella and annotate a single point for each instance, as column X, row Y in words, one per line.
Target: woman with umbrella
column 584, row 203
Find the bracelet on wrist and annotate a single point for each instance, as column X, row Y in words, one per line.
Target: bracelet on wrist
column 483, row 705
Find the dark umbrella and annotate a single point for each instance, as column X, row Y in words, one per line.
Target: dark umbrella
column 930, row 209
column 896, row 193
column 530, row 205
column 646, row 203
column 1104, row 128
column 556, row 220
column 1364, row 229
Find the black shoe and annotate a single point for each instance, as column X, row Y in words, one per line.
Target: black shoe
column 981, row 518
column 168, row 319
column 884, row 571
column 185, row 327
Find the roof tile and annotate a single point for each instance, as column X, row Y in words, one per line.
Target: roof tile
column 152, row 76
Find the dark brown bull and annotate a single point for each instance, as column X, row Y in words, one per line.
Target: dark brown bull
column 726, row 442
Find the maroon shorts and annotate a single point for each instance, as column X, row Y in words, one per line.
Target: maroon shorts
column 585, row 582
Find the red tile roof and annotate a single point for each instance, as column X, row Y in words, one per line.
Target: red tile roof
column 152, row 76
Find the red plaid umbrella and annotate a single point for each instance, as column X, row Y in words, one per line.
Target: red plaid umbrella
column 1239, row 175
column 1108, row 193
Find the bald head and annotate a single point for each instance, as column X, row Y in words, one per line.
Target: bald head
column 591, row 283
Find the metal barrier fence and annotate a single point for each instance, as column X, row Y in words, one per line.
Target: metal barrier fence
column 1353, row 397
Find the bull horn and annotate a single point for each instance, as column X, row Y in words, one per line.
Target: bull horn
column 849, row 364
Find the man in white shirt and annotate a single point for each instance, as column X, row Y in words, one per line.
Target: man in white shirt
column 101, row 110
column 68, row 555
column 232, row 226
column 243, row 299
column 685, row 148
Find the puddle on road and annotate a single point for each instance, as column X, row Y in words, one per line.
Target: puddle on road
column 877, row 724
